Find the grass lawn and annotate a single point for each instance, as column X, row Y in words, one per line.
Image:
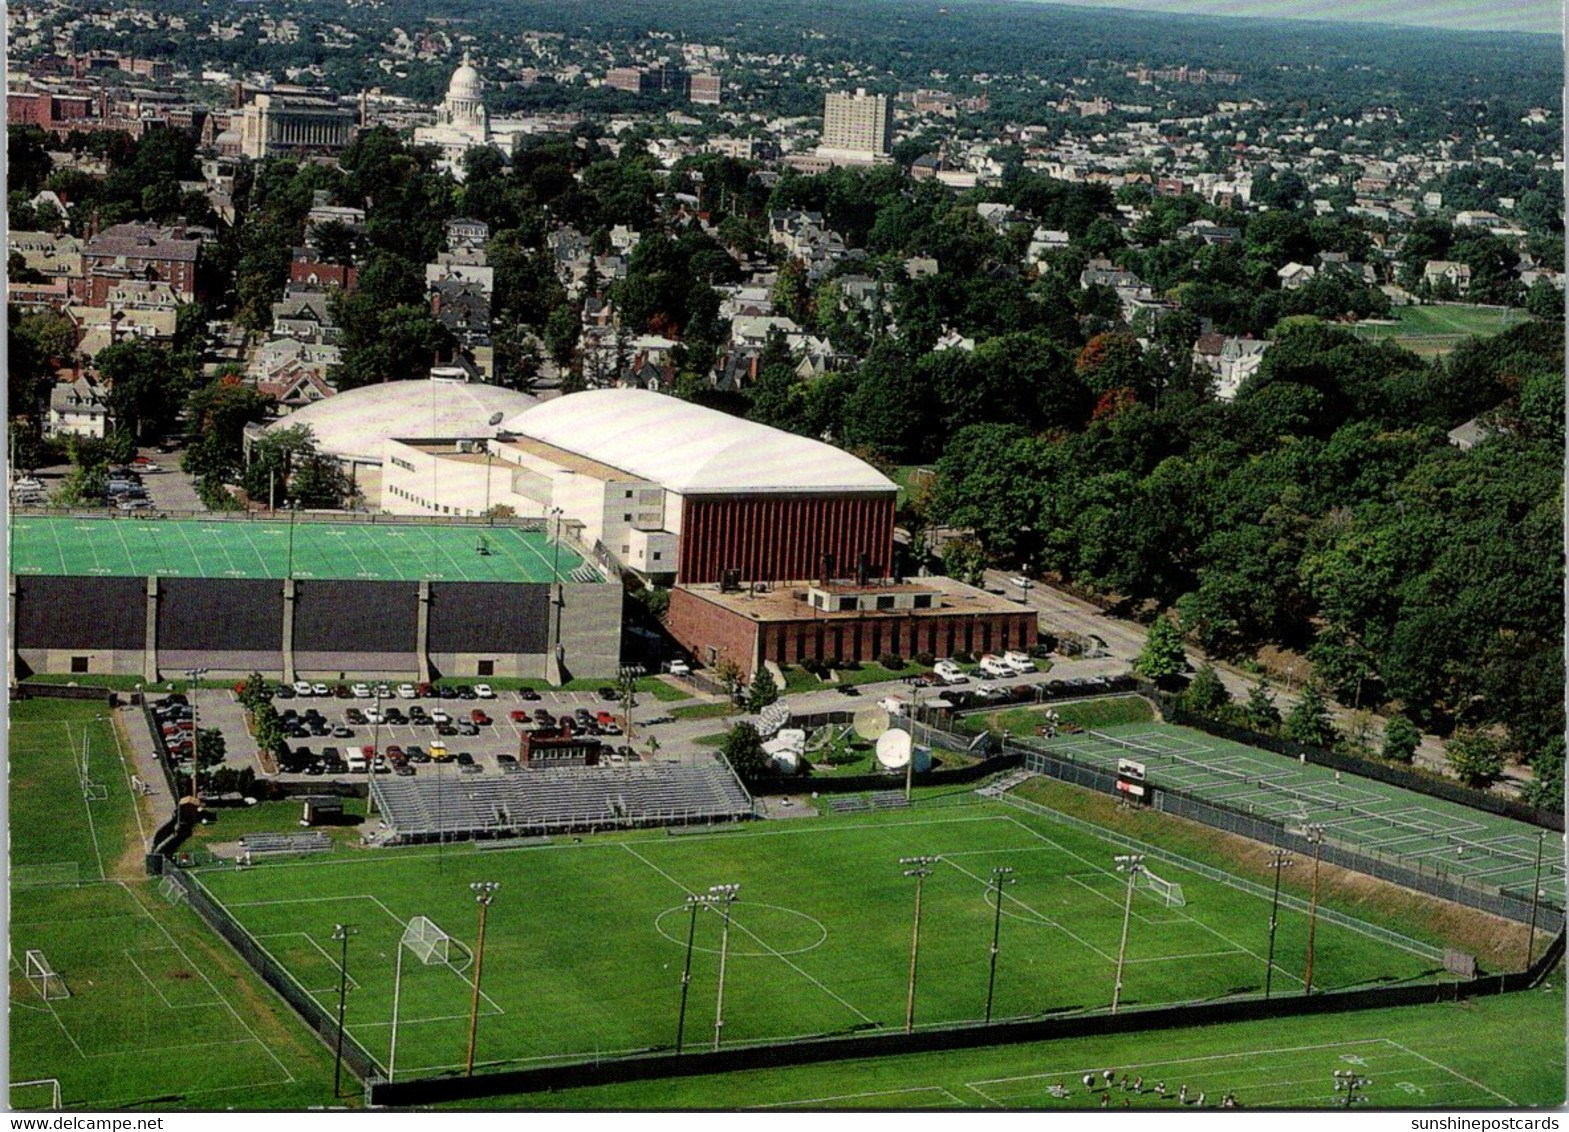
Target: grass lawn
column 818, row 942
column 1439, row 329
column 161, row 1014
column 873, row 673
column 718, row 710
column 798, row 679
column 1101, row 712
column 230, row 823
column 908, row 476
column 1416, row 1057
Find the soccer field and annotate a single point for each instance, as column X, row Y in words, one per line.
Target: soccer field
column 145, row 1009
column 1359, row 813
column 274, row 548
column 585, row 941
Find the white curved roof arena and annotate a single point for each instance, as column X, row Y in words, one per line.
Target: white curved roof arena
column 356, row 424
column 690, row 449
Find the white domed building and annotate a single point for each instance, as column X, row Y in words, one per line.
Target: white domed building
column 354, row 427
column 462, row 122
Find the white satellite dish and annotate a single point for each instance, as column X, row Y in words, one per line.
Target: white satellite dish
column 894, row 750
column 871, row 722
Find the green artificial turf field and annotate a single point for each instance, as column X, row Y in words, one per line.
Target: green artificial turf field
column 273, row 548
column 158, row 1012
column 1360, row 813
column 585, row 941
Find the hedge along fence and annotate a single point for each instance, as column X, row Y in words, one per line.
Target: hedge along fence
column 1404, row 777
column 657, row 1065
column 36, row 691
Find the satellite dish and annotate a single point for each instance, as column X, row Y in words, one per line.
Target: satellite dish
column 894, row 749
column 496, row 418
column 871, row 722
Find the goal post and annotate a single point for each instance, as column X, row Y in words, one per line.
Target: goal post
column 1167, row 892
column 428, row 943
column 45, row 979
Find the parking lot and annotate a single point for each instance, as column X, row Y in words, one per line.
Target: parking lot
column 330, row 735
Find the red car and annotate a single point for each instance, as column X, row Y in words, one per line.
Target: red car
column 479, row 717
column 520, row 716
column 368, row 751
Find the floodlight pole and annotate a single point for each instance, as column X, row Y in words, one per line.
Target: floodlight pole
column 999, row 878
column 1280, row 861
column 484, row 893
column 341, row 933
column 370, row 763
column 726, row 895
column 694, row 901
column 909, row 766
column 920, row 869
column 1315, row 835
column 195, row 675
column 1536, row 896
column 1131, row 864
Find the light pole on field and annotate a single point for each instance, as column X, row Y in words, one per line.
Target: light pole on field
column 1315, row 836
column 341, row 933
column 723, row 895
column 1132, row 864
column 1279, row 861
column 695, row 902
column 1536, row 896
column 920, row 868
column 195, row 675
column 1000, row 877
column 484, row 893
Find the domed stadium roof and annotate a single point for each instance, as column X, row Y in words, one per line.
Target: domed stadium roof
column 466, row 83
column 354, row 425
column 691, row 449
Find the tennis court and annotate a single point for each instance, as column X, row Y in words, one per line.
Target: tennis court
column 275, row 548
column 1359, row 813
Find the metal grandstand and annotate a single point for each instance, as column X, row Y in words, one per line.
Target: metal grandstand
column 561, row 800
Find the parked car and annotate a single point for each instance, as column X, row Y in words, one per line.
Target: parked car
column 678, row 668
column 528, row 694
column 301, row 688
column 469, row 728
column 361, row 691
column 520, row 716
column 355, row 715
column 406, row 691
column 418, row 754
column 448, row 729
column 465, row 759
column 606, row 692
column 484, row 692
column 27, row 483
column 135, row 505
column 478, row 716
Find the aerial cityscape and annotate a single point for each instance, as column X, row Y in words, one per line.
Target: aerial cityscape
column 805, row 555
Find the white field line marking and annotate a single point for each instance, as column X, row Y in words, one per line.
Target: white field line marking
column 747, row 931
column 860, row 1096
column 58, row 1021
column 198, row 969
column 1188, row 955
column 1035, row 911
column 1112, row 900
column 1446, row 1069
column 354, row 983
column 91, row 825
column 394, row 857
column 1183, row 915
column 136, row 807
column 1076, row 1074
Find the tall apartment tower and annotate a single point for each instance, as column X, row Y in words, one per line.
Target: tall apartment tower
column 857, row 126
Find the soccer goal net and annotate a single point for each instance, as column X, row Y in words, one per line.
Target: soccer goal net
column 171, row 890
column 44, row 978
column 428, row 942
column 1167, row 892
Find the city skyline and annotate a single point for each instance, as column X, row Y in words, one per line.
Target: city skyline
column 1525, row 16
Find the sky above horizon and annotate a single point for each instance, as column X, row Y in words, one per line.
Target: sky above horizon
column 1544, row 16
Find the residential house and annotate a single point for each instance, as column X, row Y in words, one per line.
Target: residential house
column 78, row 408
column 1230, row 360
column 1295, row 276
column 1442, row 272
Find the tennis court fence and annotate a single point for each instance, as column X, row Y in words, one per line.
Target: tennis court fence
column 1431, row 879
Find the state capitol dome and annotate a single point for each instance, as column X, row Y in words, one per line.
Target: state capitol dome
column 466, row 83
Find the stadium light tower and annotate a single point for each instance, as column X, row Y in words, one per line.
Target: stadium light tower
column 920, row 868
column 1000, row 877
column 341, row 933
column 1536, row 896
column 484, row 892
column 1280, row 861
column 723, row 895
column 1315, row 836
column 1132, row 864
column 195, row 675
column 695, row 901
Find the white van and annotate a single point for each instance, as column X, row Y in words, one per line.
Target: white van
column 1018, row 661
column 949, row 672
column 355, row 761
column 995, row 666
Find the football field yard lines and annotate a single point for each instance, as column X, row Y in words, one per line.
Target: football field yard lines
column 1041, row 916
column 1452, row 1072
column 850, row 1006
column 943, row 1098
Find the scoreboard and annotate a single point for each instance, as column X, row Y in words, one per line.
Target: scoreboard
column 1130, row 780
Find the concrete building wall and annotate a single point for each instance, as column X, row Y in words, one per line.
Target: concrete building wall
column 784, row 538
column 591, row 630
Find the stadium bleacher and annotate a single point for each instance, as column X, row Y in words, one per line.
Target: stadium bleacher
column 536, row 801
